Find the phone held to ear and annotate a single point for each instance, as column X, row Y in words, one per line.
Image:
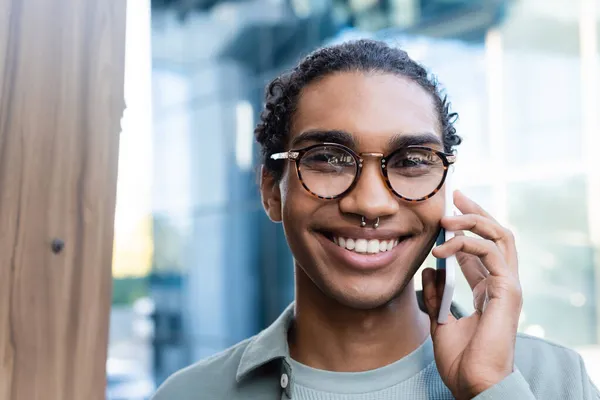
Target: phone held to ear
column 449, row 264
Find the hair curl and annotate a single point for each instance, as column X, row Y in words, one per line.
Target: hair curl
column 362, row 55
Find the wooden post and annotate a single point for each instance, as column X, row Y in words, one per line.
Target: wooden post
column 61, row 101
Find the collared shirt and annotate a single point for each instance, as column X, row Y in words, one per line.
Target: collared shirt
column 260, row 368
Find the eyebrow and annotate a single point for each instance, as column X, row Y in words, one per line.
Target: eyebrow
column 414, row 139
column 325, row 136
column 344, row 138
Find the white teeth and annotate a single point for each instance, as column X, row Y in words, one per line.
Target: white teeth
column 372, row 246
column 360, row 246
column 383, row 245
column 350, row 244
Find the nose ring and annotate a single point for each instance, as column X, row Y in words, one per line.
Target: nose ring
column 363, row 222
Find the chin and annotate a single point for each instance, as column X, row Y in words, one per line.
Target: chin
column 364, row 303
column 364, row 296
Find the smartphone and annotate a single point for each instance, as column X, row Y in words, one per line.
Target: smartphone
column 448, row 264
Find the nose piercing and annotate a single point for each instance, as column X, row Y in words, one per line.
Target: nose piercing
column 363, row 223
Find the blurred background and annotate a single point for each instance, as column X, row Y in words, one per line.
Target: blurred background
column 199, row 267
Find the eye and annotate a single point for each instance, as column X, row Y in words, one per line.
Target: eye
column 328, row 160
column 414, row 162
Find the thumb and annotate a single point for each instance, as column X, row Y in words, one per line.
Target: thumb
column 433, row 287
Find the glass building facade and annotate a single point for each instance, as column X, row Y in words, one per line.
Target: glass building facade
column 522, row 74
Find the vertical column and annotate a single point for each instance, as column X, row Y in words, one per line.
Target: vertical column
column 590, row 66
column 495, row 88
column 61, row 100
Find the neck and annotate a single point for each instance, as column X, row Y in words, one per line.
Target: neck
column 330, row 336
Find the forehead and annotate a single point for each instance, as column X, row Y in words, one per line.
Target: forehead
column 372, row 107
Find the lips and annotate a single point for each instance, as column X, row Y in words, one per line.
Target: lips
column 364, row 249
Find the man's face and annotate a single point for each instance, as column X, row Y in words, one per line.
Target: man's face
column 373, row 109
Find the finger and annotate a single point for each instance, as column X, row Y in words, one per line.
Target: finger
column 478, row 224
column 485, row 250
column 487, row 229
column 471, row 266
column 440, row 285
column 500, row 317
column 479, row 298
column 468, row 206
column 465, row 258
column 430, row 296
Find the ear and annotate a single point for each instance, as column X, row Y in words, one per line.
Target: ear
column 270, row 194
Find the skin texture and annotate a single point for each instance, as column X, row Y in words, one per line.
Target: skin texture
column 356, row 320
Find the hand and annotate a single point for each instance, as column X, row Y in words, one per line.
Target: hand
column 476, row 352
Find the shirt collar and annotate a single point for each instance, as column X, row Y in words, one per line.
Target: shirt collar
column 267, row 346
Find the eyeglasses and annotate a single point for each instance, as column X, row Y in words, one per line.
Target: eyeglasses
column 330, row 170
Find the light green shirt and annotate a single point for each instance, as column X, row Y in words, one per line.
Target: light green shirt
column 260, row 368
column 411, row 377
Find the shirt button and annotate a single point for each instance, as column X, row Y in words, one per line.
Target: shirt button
column 284, row 380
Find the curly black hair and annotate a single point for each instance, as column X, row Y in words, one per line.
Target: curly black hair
column 361, row 55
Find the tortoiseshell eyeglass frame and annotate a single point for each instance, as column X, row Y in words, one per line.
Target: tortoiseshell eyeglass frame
column 296, row 156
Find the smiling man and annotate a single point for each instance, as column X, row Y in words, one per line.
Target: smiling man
column 357, row 141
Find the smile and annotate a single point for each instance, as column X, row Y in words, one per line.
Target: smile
column 368, row 246
column 362, row 249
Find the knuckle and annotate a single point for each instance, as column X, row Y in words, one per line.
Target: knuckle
column 464, row 258
column 509, row 286
column 475, row 222
column 472, row 218
column 516, row 291
column 458, row 242
column 479, row 218
column 509, row 234
column 430, row 297
column 500, row 285
column 491, row 246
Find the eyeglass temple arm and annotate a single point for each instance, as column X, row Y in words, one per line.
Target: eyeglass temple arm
column 288, row 155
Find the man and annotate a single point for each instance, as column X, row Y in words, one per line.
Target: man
column 356, row 143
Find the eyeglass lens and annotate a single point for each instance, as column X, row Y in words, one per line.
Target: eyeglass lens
column 329, row 171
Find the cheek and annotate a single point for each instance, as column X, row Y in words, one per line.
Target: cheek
column 431, row 212
column 284, row 188
column 297, row 204
column 288, row 179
